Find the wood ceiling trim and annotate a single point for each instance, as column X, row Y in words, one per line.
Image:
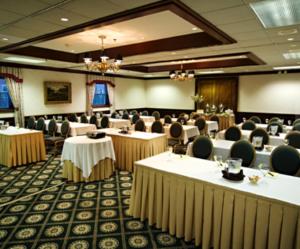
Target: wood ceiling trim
column 175, row 6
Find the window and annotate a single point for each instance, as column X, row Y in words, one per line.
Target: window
column 5, row 101
column 101, row 95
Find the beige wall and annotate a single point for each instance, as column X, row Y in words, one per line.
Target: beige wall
column 274, row 93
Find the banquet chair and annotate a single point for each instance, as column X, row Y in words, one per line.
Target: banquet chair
column 215, row 118
column 259, row 132
column 133, row 112
column 175, row 141
column 135, row 118
column 156, row 115
column 202, row 147
column 72, row 117
column 249, row 125
column 145, row 113
column 182, row 120
column 125, row 115
column 31, row 123
column 140, row 125
column 93, row 120
column 293, row 138
column 57, row 142
column 244, row 150
column 255, row 119
column 233, row 133
column 83, row 119
column 274, row 119
column 52, row 128
column 196, row 116
column 104, row 122
column 285, row 159
column 297, row 121
column 201, row 124
column 296, row 127
column 279, row 126
column 40, row 124
column 114, row 115
column 167, row 119
column 157, row 127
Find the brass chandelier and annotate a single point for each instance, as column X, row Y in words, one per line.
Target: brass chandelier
column 181, row 75
column 103, row 65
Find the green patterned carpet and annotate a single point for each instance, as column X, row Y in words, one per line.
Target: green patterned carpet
column 47, row 213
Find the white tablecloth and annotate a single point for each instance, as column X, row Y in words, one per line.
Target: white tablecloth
column 188, row 132
column 85, row 152
column 273, row 140
column 286, row 128
column 11, row 130
column 119, row 123
column 76, row 129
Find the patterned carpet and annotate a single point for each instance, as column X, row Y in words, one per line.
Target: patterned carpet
column 38, row 209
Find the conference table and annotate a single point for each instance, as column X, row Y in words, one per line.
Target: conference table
column 113, row 122
column 20, row 146
column 286, row 128
column 209, row 125
column 135, row 146
column 273, row 140
column 76, row 129
column 189, row 198
column 86, row 159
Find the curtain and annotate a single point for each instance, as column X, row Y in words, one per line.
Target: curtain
column 13, row 79
column 90, row 90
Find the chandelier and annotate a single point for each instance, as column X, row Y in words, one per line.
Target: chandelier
column 103, row 65
column 181, row 75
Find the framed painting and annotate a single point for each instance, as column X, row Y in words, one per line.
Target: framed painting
column 57, row 92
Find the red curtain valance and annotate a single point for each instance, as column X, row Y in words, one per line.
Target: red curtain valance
column 101, row 81
column 11, row 76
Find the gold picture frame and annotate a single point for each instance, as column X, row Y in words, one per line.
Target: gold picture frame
column 57, row 92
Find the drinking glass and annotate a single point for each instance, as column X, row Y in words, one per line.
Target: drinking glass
column 266, row 120
column 244, row 119
column 219, row 160
column 289, row 122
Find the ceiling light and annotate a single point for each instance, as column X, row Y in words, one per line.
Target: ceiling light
column 194, row 28
column 173, row 53
column 211, row 72
column 64, row 19
column 27, row 60
column 286, row 67
column 290, row 39
column 293, row 54
column 181, row 75
column 103, row 65
column 287, row 32
column 277, row 13
column 5, row 39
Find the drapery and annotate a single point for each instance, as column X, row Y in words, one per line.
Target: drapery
column 91, row 79
column 13, row 79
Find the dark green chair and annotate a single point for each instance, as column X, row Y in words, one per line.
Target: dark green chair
column 84, row 119
column 140, row 125
column 259, row 132
column 57, row 142
column 249, row 125
column 135, row 118
column 255, row 119
column 145, row 113
column 52, row 128
column 285, row 159
column 72, row 117
column 293, row 138
column 156, row 115
column 296, row 127
column 182, row 120
column 233, row 133
column 104, row 122
column 274, row 119
column 40, row 124
column 93, row 120
column 31, row 122
column 133, row 112
column 157, row 127
column 202, row 147
column 244, row 150
column 278, row 124
column 167, row 119
column 176, row 131
column 114, row 115
column 297, row 121
column 125, row 115
column 201, row 124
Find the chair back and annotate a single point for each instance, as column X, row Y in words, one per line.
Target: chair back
column 176, row 130
column 233, row 133
column 293, row 138
column 279, row 126
column 140, row 125
column 182, row 120
column 40, row 125
column 93, row 120
column 135, row 118
column 52, row 127
column 114, row 115
column 133, row 112
column 296, row 127
column 201, row 124
column 72, row 117
column 215, row 118
column 157, row 127
column 297, row 121
column 156, row 115
column 83, row 119
column 145, row 113
column 202, row 147
column 65, row 129
column 249, row 125
column 104, row 122
column 196, row 116
column 31, row 123
column 285, row 159
column 125, row 115
column 259, row 132
column 244, row 150
column 167, row 119
column 274, row 119
column 255, row 119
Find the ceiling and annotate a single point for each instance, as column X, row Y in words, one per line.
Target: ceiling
column 151, row 41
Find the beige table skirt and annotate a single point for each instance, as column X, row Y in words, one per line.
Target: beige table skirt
column 22, row 149
column 128, row 150
column 213, row 215
column 224, row 121
column 103, row 170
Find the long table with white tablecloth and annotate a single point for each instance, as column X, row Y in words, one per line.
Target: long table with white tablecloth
column 189, row 198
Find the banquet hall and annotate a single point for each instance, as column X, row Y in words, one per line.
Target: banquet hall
column 150, row 124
